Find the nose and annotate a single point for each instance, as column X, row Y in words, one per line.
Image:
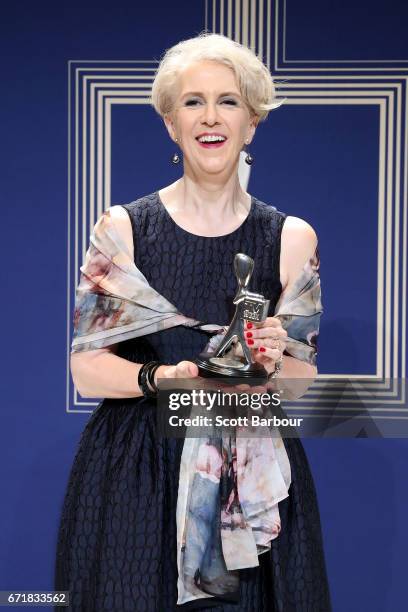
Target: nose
column 210, row 113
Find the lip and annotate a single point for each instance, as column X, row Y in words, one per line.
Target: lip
column 211, row 145
column 211, row 134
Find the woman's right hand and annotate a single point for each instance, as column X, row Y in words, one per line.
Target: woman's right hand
column 189, row 370
column 183, row 369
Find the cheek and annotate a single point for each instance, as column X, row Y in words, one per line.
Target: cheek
column 185, row 122
column 239, row 127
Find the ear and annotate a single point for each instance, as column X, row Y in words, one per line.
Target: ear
column 252, row 127
column 169, row 123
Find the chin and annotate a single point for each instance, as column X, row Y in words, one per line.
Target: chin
column 215, row 167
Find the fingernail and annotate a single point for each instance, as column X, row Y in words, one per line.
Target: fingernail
column 248, row 334
column 249, row 325
column 262, row 349
column 250, row 342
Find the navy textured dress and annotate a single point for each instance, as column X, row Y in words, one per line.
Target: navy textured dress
column 116, row 548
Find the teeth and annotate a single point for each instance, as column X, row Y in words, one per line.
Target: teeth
column 211, row 138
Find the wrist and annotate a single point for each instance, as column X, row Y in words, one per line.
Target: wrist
column 277, row 368
column 145, row 379
column 159, row 373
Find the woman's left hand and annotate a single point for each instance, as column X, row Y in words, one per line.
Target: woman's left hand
column 266, row 341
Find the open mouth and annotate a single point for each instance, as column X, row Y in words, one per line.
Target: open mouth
column 212, row 145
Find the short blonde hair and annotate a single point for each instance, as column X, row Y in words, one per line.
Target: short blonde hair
column 253, row 77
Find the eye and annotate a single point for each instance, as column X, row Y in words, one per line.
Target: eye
column 229, row 101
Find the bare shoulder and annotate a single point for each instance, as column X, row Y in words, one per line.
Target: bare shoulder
column 119, row 214
column 295, row 228
column 298, row 243
column 121, row 220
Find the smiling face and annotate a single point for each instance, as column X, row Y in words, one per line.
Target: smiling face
column 209, row 102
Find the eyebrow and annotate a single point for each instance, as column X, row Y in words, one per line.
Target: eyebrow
column 200, row 93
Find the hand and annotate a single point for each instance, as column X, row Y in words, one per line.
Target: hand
column 183, row 369
column 188, row 370
column 266, row 341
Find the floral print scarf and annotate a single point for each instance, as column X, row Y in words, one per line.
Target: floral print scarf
column 229, row 485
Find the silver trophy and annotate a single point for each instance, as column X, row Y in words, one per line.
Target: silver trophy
column 250, row 307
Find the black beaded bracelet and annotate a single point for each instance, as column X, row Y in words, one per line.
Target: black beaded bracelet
column 145, row 379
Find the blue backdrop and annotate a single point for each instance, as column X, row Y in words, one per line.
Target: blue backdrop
column 334, row 154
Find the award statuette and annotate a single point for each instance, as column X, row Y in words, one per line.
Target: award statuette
column 250, row 307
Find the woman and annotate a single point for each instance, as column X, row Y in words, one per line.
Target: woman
column 118, row 543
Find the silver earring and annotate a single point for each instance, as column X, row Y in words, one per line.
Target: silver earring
column 249, row 159
column 176, row 157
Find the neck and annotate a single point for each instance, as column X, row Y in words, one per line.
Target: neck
column 211, row 200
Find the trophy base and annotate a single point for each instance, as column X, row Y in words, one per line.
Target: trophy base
column 230, row 368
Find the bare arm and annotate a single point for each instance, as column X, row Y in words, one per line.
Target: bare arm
column 102, row 373
column 298, row 243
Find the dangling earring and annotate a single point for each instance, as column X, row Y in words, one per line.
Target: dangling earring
column 249, row 159
column 176, row 157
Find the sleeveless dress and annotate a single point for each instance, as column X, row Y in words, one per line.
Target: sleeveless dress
column 116, row 547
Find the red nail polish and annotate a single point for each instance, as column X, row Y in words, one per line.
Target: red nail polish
column 250, row 342
column 262, row 349
column 248, row 334
column 249, row 326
